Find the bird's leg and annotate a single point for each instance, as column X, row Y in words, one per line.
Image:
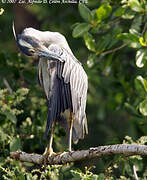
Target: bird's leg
column 49, row 149
column 70, row 131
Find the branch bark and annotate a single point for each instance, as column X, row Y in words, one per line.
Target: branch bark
column 113, row 50
column 97, row 152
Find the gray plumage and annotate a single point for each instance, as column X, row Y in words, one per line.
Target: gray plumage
column 67, row 90
column 62, row 77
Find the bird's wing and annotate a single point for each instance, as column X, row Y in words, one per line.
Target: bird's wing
column 73, row 74
column 43, row 76
column 68, row 91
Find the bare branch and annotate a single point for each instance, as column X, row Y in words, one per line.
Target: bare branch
column 114, row 21
column 7, row 85
column 122, row 46
column 144, row 29
column 113, row 50
column 97, row 152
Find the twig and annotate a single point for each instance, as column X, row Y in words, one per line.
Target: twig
column 113, row 50
column 97, row 152
column 122, row 46
column 144, row 29
column 135, row 173
column 7, row 85
column 114, row 21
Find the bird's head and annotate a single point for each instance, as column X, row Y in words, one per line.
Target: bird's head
column 28, row 45
column 32, row 46
column 33, row 42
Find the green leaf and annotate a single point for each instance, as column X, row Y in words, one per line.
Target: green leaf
column 74, row 25
column 128, row 37
column 136, row 24
column 15, row 144
column 94, row 16
column 80, row 29
column 119, row 11
column 141, row 58
column 22, row 177
column 142, row 41
column 128, row 15
column 140, row 84
column 85, row 12
column 10, row 116
column 142, row 81
column 76, row 174
column 135, row 5
column 128, row 168
column 91, row 60
column 103, row 12
column 143, row 107
column 135, row 33
column 130, row 109
column 106, row 42
column 89, row 41
column 101, row 176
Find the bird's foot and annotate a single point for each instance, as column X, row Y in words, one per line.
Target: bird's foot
column 70, row 151
column 48, row 152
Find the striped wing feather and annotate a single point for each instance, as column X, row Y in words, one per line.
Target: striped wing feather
column 67, row 90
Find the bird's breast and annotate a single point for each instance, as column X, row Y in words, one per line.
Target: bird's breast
column 52, row 67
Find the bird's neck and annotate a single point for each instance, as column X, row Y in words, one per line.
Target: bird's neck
column 49, row 38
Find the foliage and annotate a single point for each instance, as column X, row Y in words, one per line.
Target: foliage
column 113, row 34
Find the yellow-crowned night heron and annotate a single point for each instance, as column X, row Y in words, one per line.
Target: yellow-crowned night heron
column 63, row 79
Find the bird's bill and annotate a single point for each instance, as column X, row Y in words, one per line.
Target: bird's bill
column 45, row 53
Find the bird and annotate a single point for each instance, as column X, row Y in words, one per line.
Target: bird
column 63, row 80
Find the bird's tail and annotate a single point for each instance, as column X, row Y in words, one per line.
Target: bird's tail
column 80, row 129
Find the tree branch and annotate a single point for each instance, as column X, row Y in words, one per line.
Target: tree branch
column 144, row 29
column 97, row 152
column 7, row 85
column 113, row 50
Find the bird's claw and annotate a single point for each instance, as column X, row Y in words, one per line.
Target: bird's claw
column 46, row 154
column 70, row 152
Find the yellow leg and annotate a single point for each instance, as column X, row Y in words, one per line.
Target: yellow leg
column 49, row 149
column 70, row 131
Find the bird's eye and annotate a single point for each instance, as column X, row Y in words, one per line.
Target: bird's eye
column 31, row 51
